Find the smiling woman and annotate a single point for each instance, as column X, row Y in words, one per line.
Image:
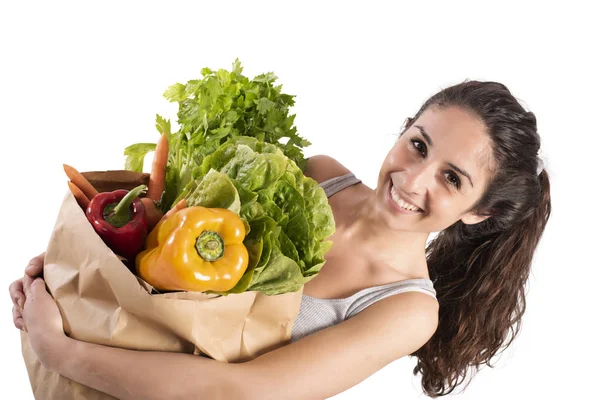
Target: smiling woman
column 480, row 263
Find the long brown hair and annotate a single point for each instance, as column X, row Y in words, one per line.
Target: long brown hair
column 480, row 271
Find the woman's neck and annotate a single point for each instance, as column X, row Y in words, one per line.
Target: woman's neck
column 364, row 230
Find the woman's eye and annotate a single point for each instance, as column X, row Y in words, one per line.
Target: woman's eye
column 420, row 146
column 454, row 180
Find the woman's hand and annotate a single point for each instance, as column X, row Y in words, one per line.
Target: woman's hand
column 36, row 312
column 43, row 322
column 17, row 294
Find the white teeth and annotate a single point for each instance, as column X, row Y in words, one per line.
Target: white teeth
column 400, row 202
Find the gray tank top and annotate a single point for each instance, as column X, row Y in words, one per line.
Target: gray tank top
column 316, row 314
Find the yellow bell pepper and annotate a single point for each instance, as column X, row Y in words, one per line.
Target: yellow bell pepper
column 195, row 249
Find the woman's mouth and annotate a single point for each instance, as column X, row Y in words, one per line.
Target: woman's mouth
column 399, row 204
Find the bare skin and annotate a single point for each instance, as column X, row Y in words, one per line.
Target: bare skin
column 375, row 243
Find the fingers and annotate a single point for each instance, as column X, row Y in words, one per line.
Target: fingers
column 32, row 288
column 36, row 266
column 18, row 318
column 27, row 281
column 16, row 293
column 19, row 300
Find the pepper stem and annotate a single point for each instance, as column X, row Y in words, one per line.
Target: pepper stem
column 210, row 246
column 120, row 215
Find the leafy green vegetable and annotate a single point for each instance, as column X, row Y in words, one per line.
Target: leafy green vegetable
column 135, row 155
column 287, row 214
column 215, row 191
column 220, row 106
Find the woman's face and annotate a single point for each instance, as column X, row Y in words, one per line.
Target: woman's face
column 441, row 165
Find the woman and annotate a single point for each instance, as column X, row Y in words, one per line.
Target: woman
column 465, row 166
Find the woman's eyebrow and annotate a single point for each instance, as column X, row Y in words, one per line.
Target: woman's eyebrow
column 430, row 142
column 425, row 135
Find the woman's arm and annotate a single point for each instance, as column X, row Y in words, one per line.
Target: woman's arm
column 130, row 374
column 318, row 366
column 335, row 359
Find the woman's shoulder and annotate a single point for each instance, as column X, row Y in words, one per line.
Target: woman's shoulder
column 413, row 308
column 322, row 167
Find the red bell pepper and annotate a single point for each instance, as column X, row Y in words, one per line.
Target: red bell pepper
column 119, row 219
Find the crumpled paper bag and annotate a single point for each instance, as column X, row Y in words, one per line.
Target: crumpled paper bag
column 103, row 302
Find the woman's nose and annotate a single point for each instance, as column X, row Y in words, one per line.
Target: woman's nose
column 417, row 179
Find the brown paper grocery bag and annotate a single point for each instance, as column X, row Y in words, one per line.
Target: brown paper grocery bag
column 102, row 302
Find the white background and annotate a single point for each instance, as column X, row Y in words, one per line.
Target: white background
column 81, row 81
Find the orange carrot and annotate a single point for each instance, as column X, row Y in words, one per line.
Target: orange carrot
column 179, row 206
column 79, row 196
column 156, row 185
column 79, row 180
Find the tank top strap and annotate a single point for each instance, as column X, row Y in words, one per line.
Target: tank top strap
column 334, row 185
column 371, row 295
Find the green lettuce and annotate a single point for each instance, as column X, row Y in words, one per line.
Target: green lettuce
column 286, row 214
